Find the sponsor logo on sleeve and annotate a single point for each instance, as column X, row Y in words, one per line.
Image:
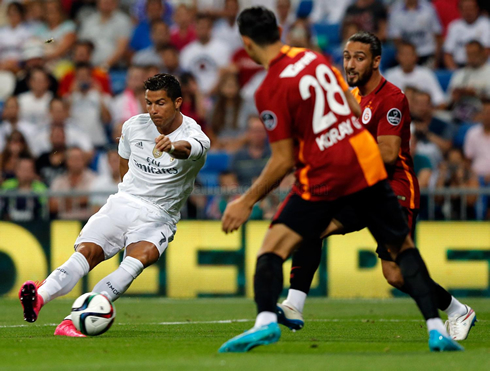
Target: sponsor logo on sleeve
column 269, row 119
column 394, row 116
column 366, row 115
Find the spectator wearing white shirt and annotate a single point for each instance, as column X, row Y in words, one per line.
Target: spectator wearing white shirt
column 11, row 122
column 151, row 56
column 285, row 17
column 13, row 37
column 416, row 21
column 226, row 28
column 331, row 11
column 472, row 26
column 90, row 105
column 34, row 103
column 77, row 178
column 59, row 116
column 477, row 145
column 206, row 56
column 408, row 73
column 132, row 100
column 105, row 184
column 470, row 83
column 109, row 29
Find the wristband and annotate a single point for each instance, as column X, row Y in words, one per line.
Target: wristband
column 172, row 149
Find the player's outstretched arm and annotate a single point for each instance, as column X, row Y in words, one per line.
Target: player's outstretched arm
column 180, row 149
column 278, row 166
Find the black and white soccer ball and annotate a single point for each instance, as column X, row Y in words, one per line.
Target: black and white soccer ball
column 93, row 314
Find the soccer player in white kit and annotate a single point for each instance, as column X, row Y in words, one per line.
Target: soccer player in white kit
column 160, row 155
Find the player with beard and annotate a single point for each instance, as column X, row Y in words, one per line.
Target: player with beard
column 385, row 113
column 305, row 107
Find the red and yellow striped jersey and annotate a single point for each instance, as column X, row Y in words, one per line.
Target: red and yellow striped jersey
column 302, row 97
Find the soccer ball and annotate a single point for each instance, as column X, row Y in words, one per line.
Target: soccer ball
column 93, row 314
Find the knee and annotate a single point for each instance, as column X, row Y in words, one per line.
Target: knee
column 147, row 255
column 395, row 281
column 394, row 278
column 92, row 252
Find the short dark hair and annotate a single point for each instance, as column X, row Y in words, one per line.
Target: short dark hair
column 370, row 39
column 19, row 7
column 405, row 42
column 204, row 16
column 89, row 44
column 167, row 82
column 260, row 24
column 82, row 65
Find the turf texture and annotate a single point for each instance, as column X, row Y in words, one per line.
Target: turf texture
column 165, row 334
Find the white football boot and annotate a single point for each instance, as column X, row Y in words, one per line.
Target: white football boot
column 289, row 316
column 459, row 327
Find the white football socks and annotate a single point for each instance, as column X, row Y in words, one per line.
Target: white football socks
column 296, row 299
column 455, row 309
column 62, row 280
column 264, row 318
column 116, row 283
column 436, row 324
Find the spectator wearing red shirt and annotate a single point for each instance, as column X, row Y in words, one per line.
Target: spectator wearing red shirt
column 82, row 53
column 183, row 32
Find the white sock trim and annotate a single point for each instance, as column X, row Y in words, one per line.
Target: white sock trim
column 264, row 318
column 436, row 324
column 455, row 308
column 82, row 260
column 133, row 266
column 297, row 299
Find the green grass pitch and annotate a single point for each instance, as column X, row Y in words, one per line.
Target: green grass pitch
column 165, row 334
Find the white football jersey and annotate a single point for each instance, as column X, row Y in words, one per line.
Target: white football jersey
column 158, row 177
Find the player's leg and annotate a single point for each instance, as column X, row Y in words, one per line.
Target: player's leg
column 384, row 218
column 285, row 235
column 461, row 317
column 305, row 263
column 278, row 244
column 61, row 281
column 139, row 255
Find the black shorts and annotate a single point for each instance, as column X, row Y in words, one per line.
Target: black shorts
column 375, row 207
column 352, row 223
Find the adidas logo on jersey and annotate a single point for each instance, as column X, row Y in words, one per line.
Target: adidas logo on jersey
column 139, row 144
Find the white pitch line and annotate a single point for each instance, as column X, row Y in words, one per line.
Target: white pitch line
column 227, row 321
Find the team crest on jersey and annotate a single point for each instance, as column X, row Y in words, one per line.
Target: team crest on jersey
column 156, row 152
column 394, row 116
column 269, row 119
column 366, row 115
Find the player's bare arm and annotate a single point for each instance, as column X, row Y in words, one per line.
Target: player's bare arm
column 180, row 149
column 389, row 146
column 278, row 166
column 354, row 106
column 123, row 166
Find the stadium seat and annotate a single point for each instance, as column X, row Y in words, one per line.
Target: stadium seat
column 118, row 81
column 458, row 140
column 388, row 59
column 304, row 8
column 328, row 35
column 216, row 163
column 444, row 76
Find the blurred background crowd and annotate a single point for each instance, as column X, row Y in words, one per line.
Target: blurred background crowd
column 72, row 71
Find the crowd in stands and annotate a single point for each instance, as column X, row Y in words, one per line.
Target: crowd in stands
column 72, row 71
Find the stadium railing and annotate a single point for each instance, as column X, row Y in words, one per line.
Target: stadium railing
column 436, row 204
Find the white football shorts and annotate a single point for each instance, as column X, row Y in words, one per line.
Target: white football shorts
column 124, row 220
